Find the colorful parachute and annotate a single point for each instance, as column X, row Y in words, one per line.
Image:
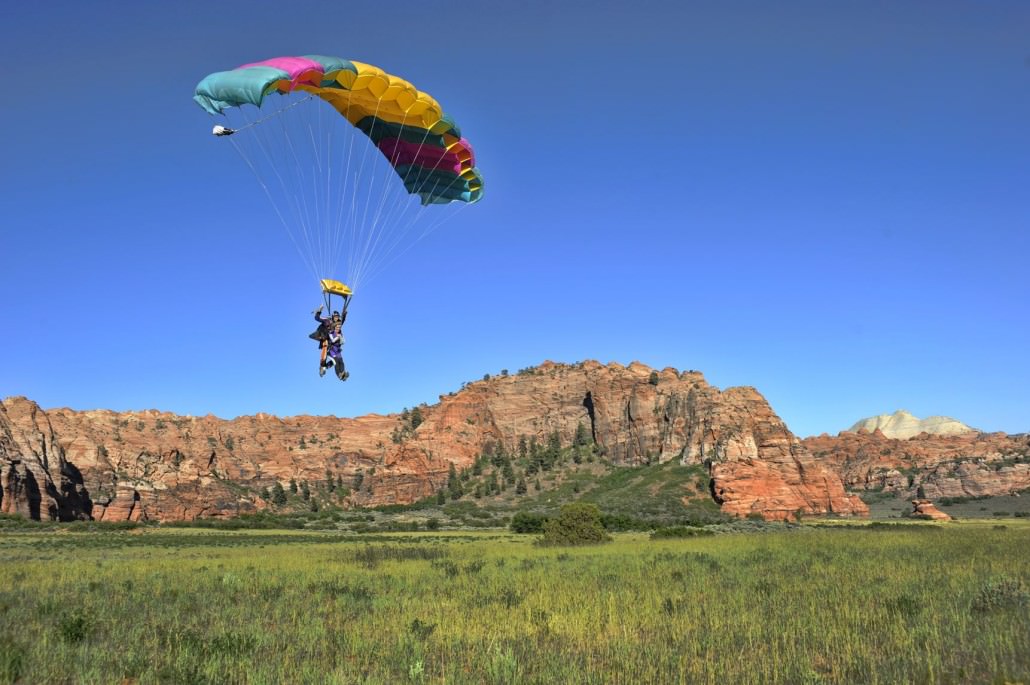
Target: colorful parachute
column 408, row 127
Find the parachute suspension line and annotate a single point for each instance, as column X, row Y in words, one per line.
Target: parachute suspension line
column 369, row 225
column 352, row 227
column 368, row 198
column 299, row 191
column 396, row 214
column 330, row 237
column 275, row 157
column 379, row 225
column 273, row 114
column 320, row 233
column 389, row 258
column 402, row 234
column 275, row 206
column 343, row 222
column 272, row 159
column 384, row 255
column 341, row 237
column 346, row 237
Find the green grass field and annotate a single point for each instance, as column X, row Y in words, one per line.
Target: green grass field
column 841, row 603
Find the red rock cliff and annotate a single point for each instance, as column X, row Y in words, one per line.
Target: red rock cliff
column 154, row 465
column 967, row 465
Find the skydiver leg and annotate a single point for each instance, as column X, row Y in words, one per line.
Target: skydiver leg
column 341, row 370
column 321, row 362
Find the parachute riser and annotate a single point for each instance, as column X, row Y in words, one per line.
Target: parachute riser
column 327, row 298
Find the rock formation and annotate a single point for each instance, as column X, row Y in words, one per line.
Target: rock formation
column 902, row 424
column 35, row 479
column 928, row 466
column 924, row 509
column 155, row 465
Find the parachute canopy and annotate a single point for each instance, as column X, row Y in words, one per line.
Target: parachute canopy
column 410, row 129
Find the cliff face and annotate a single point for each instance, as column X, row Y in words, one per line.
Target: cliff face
column 153, row 465
column 35, row 479
column 967, row 465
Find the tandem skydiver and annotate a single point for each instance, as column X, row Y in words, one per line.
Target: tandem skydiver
column 330, row 341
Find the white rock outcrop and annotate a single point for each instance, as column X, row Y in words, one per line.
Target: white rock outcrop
column 903, row 425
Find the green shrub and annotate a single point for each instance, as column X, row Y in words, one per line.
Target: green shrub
column 75, row 627
column 525, row 522
column 578, row 523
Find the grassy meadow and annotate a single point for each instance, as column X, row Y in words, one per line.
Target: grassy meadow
column 881, row 603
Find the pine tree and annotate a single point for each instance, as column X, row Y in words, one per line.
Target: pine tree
column 305, row 491
column 553, row 452
column 582, row 438
column 454, row 489
column 265, row 495
column 293, row 486
column 521, row 488
column 523, row 448
column 278, row 495
column 441, row 496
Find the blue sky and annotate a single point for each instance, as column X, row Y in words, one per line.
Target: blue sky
column 827, row 201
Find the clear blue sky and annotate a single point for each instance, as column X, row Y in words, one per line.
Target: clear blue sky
column 828, row 201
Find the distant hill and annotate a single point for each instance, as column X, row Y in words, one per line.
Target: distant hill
column 903, row 425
